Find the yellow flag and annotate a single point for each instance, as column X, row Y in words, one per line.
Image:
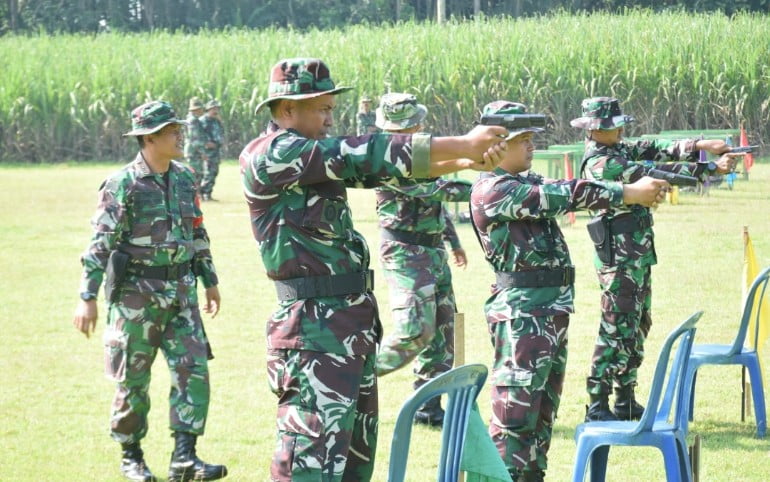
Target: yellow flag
column 750, row 271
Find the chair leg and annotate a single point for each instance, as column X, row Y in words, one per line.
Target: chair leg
column 758, row 396
column 672, row 458
column 599, row 463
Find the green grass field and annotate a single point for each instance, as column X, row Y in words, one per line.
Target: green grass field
column 54, row 402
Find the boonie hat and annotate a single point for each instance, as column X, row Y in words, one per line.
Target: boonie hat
column 212, row 103
column 195, row 104
column 300, row 78
column 152, row 117
column 399, row 111
column 508, row 107
column 601, row 113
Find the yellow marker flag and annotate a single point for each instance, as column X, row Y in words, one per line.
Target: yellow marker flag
column 750, row 271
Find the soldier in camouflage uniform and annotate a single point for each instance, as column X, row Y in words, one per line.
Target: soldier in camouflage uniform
column 211, row 122
column 528, row 313
column 195, row 139
column 414, row 225
column 365, row 119
column 148, row 216
column 624, row 271
column 323, row 336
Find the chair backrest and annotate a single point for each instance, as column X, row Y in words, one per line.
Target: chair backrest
column 462, row 386
column 660, row 403
column 756, row 292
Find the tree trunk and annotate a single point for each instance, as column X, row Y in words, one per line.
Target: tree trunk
column 476, row 8
column 440, row 11
column 398, row 10
column 13, row 10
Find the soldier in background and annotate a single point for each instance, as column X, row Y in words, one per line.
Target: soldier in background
column 528, row 313
column 150, row 240
column 323, row 335
column 627, row 250
column 414, row 224
column 365, row 119
column 214, row 136
column 195, row 139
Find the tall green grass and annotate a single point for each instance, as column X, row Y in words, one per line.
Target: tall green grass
column 68, row 97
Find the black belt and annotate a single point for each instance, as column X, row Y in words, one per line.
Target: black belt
column 536, row 278
column 330, row 285
column 629, row 223
column 168, row 273
column 410, row 237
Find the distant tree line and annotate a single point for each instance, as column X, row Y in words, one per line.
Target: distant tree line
column 91, row 16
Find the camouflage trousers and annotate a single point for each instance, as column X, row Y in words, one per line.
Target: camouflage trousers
column 327, row 415
column 210, row 173
column 527, row 379
column 137, row 326
column 196, row 164
column 423, row 307
column 626, row 321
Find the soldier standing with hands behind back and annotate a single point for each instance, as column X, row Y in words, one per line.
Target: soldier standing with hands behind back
column 528, row 313
column 625, row 247
column 195, row 139
column 322, row 337
column 150, row 240
column 211, row 122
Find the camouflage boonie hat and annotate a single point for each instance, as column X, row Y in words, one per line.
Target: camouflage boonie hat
column 298, row 79
column 508, row 107
column 152, row 117
column 195, row 104
column 399, row 111
column 365, row 98
column 601, row 113
column 212, row 103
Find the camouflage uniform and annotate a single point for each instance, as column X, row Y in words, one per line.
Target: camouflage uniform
column 155, row 219
column 413, row 222
column 321, row 349
column 365, row 123
column 625, row 282
column 213, row 132
column 194, row 141
column 515, row 217
column 421, row 295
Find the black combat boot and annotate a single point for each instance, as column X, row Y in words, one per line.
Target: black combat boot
column 132, row 465
column 626, row 406
column 430, row 413
column 599, row 410
column 185, row 464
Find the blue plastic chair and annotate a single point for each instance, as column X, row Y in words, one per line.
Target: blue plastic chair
column 660, row 426
column 736, row 354
column 462, row 386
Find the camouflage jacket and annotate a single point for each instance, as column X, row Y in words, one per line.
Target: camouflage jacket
column 515, row 217
column 195, row 138
column 627, row 162
column 157, row 225
column 365, row 120
column 214, row 132
column 418, row 207
column 296, row 192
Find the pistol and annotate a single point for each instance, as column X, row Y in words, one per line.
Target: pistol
column 743, row 149
column 514, row 122
column 673, row 178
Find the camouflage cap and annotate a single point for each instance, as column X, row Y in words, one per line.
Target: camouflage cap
column 195, row 104
column 508, row 107
column 152, row 117
column 601, row 113
column 399, row 111
column 298, row 79
column 212, row 103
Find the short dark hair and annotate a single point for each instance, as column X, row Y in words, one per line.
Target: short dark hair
column 140, row 140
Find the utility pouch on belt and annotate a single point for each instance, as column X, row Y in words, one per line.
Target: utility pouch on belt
column 601, row 235
column 115, row 273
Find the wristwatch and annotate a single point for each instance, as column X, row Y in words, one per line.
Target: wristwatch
column 86, row 296
column 712, row 166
